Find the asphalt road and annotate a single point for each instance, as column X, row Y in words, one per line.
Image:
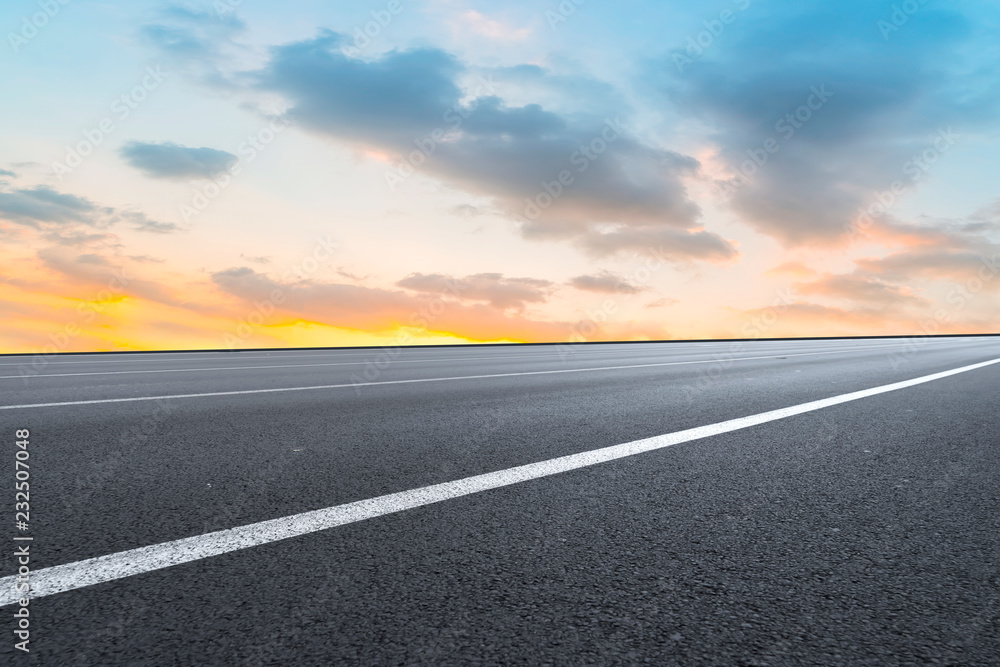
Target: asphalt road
column 864, row 533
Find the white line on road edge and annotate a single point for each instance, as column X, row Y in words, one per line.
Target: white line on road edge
column 68, row 577
column 337, row 363
column 362, row 359
column 365, row 354
column 240, row 392
column 252, row 368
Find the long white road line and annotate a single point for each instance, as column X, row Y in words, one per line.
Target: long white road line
column 71, row 576
column 249, row 368
column 367, row 354
column 360, row 358
column 275, row 390
column 343, row 363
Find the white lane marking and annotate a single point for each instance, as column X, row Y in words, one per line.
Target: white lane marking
column 275, row 390
column 247, row 368
column 367, row 353
column 338, row 363
column 62, row 578
column 179, row 357
column 233, row 356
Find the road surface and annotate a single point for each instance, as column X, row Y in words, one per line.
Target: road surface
column 757, row 503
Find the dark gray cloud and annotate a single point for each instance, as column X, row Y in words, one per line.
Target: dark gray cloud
column 492, row 288
column 604, row 282
column 887, row 101
column 66, row 219
column 410, row 104
column 668, row 244
column 176, row 162
column 37, row 206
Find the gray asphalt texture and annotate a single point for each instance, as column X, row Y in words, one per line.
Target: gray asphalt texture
column 864, row 534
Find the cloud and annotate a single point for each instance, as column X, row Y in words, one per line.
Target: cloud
column 950, row 249
column 410, row 105
column 156, row 227
column 344, row 273
column 8, row 173
column 143, row 223
column 491, row 288
column 198, row 42
column 932, row 263
column 95, row 271
column 468, row 211
column 886, row 101
column 970, row 233
column 475, row 22
column 661, row 303
column 176, row 162
column 858, row 288
column 78, row 238
column 36, row 206
column 812, row 319
column 380, row 310
column 672, row 245
column 793, row 269
column 605, row 283
column 70, row 219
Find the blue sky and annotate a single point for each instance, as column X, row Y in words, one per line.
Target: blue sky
column 543, row 170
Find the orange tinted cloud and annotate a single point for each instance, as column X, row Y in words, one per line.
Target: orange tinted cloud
column 858, row 288
column 791, row 269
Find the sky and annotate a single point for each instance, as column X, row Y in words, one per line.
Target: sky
column 232, row 174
